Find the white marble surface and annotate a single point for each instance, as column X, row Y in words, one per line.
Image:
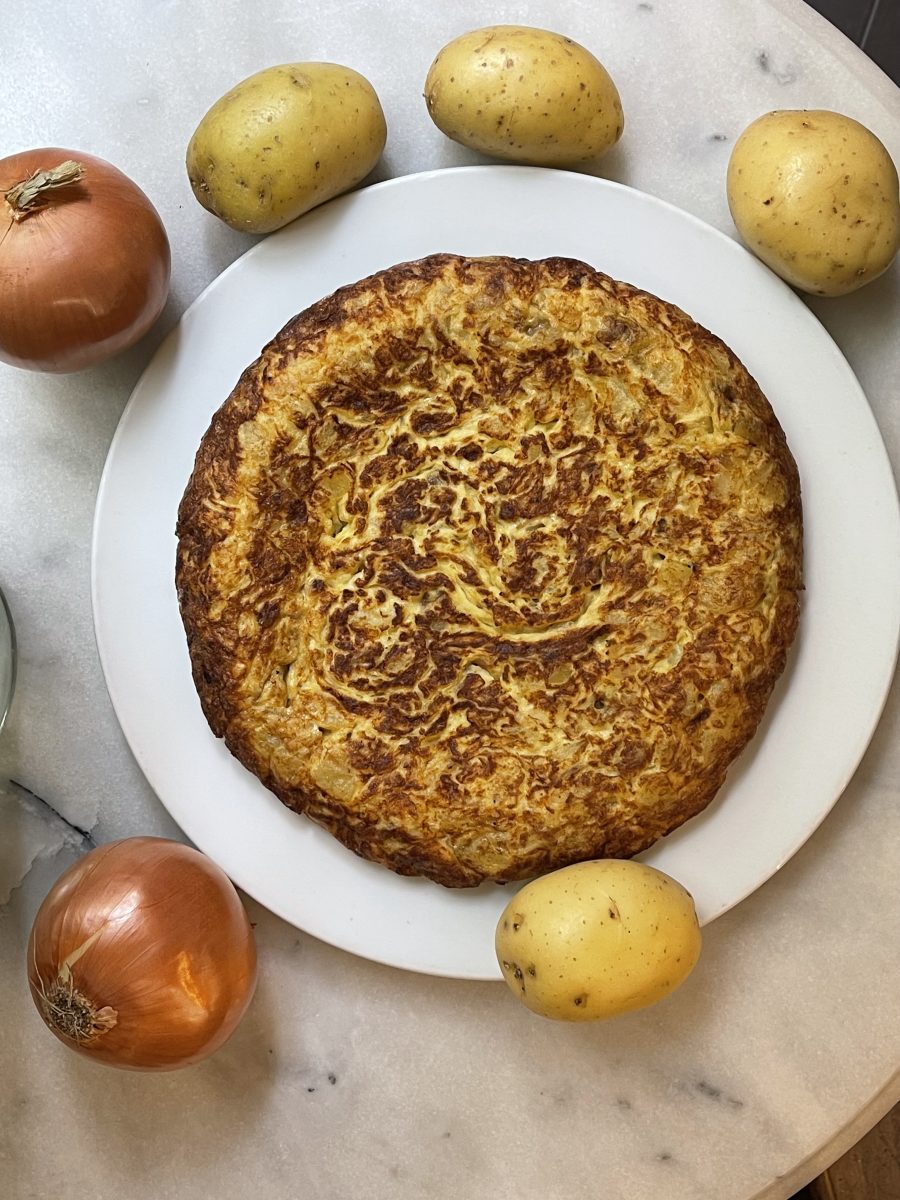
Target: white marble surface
column 347, row 1078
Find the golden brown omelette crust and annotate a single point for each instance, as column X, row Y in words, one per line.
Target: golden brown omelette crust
column 489, row 566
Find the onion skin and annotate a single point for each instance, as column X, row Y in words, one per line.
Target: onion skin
column 85, row 273
column 167, row 962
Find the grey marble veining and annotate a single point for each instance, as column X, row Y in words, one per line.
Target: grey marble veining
column 31, row 830
column 350, row 1079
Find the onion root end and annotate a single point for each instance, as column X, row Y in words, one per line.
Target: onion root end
column 72, row 1015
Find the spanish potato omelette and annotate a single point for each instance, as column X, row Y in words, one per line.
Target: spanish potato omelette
column 489, row 566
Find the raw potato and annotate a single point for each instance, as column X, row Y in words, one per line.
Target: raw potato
column 524, row 94
column 597, row 939
column 283, row 141
column 814, row 194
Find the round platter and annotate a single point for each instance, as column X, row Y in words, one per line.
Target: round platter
column 824, row 709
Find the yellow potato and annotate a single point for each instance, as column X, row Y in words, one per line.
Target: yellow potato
column 597, row 939
column 283, row 141
column 814, row 194
column 524, row 94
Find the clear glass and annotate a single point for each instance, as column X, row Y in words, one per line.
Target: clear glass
column 7, row 658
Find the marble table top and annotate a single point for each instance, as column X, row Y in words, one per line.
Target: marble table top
column 348, row 1078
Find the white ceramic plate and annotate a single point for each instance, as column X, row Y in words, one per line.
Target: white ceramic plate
column 824, row 709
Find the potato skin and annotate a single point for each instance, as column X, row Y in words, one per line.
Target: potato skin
column 524, row 94
column 597, row 939
column 284, row 140
column 814, row 194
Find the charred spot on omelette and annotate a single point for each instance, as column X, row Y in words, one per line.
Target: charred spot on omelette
column 489, row 566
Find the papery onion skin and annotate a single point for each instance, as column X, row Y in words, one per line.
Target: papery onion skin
column 85, row 274
column 168, row 955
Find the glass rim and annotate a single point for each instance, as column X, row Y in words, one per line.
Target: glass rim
column 6, row 700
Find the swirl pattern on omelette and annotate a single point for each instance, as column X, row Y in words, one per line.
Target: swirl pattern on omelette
column 489, row 566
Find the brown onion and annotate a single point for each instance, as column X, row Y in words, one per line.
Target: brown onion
column 142, row 955
column 84, row 261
